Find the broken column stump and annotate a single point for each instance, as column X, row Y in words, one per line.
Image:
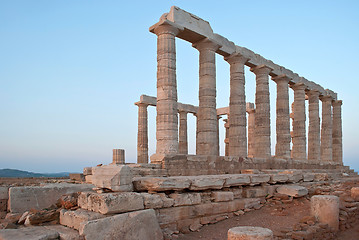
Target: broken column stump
column 325, row 208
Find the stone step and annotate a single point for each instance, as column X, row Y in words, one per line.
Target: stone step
column 50, row 232
column 73, row 219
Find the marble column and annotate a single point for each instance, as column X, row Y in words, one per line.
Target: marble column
column 262, row 119
column 118, row 156
column 207, row 113
column 166, row 119
column 226, row 140
column 142, row 133
column 299, row 150
column 326, row 152
column 218, row 145
column 237, row 106
column 337, row 132
column 314, row 127
column 282, row 147
column 251, row 132
column 183, row 139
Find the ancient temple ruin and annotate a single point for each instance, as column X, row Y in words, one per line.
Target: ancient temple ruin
column 324, row 138
column 173, row 192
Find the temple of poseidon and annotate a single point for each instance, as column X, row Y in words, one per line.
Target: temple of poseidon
column 172, row 192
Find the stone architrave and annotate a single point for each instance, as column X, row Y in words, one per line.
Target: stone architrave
column 249, row 233
column 118, row 156
column 337, row 132
column 183, row 139
column 251, row 132
column 237, row 106
column 166, row 119
column 326, row 151
column 282, row 147
column 314, row 126
column 226, row 140
column 262, row 118
column 142, row 133
column 299, row 150
column 207, row 113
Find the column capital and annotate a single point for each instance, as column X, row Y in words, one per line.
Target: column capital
column 337, row 103
column 313, row 93
column 206, row 43
column 299, row 86
column 166, row 27
column 142, row 104
column 281, row 78
column 326, row 98
column 261, row 69
column 236, row 58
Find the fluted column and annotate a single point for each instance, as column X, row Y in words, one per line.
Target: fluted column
column 207, row 113
column 282, row 147
column 237, row 106
column 299, row 151
column 251, row 132
column 226, row 140
column 314, row 126
column 326, row 152
column 166, row 119
column 183, row 139
column 337, row 132
column 262, row 119
column 142, row 134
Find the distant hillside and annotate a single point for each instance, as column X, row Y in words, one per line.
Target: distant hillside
column 24, row 174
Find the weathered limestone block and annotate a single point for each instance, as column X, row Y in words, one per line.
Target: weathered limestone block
column 251, row 202
column 152, row 200
column 87, row 171
column 255, row 192
column 65, row 233
column 160, row 184
column 325, row 208
column 293, row 190
column 88, row 179
column 308, row 177
column 183, row 199
column 250, row 233
column 237, row 192
column 174, row 214
column 167, row 202
column 109, row 203
column 207, row 182
column 278, row 178
column 354, row 191
column 22, row 199
column 77, row 177
column 124, row 226
column 236, row 180
column 29, row 233
column 4, row 192
column 114, row 177
column 73, row 219
column 259, row 178
column 293, row 176
column 222, row 196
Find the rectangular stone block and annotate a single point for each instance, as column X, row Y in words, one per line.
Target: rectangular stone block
column 207, row 182
column 87, row 171
column 3, row 205
column 152, row 200
column 29, row 233
column 308, row 177
column 133, row 225
column 174, row 214
column 222, row 196
column 237, row 180
column 255, row 192
column 114, row 177
column 259, row 178
column 185, row 199
column 73, row 219
column 110, row 203
column 77, row 177
column 22, row 199
column 88, row 179
column 160, row 184
column 4, row 192
column 278, row 178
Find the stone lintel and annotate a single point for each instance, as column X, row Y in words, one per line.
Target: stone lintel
column 337, row 103
column 281, row 77
column 207, row 43
column 326, row 98
column 261, row 68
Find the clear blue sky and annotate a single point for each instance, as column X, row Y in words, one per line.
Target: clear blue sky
column 70, row 71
